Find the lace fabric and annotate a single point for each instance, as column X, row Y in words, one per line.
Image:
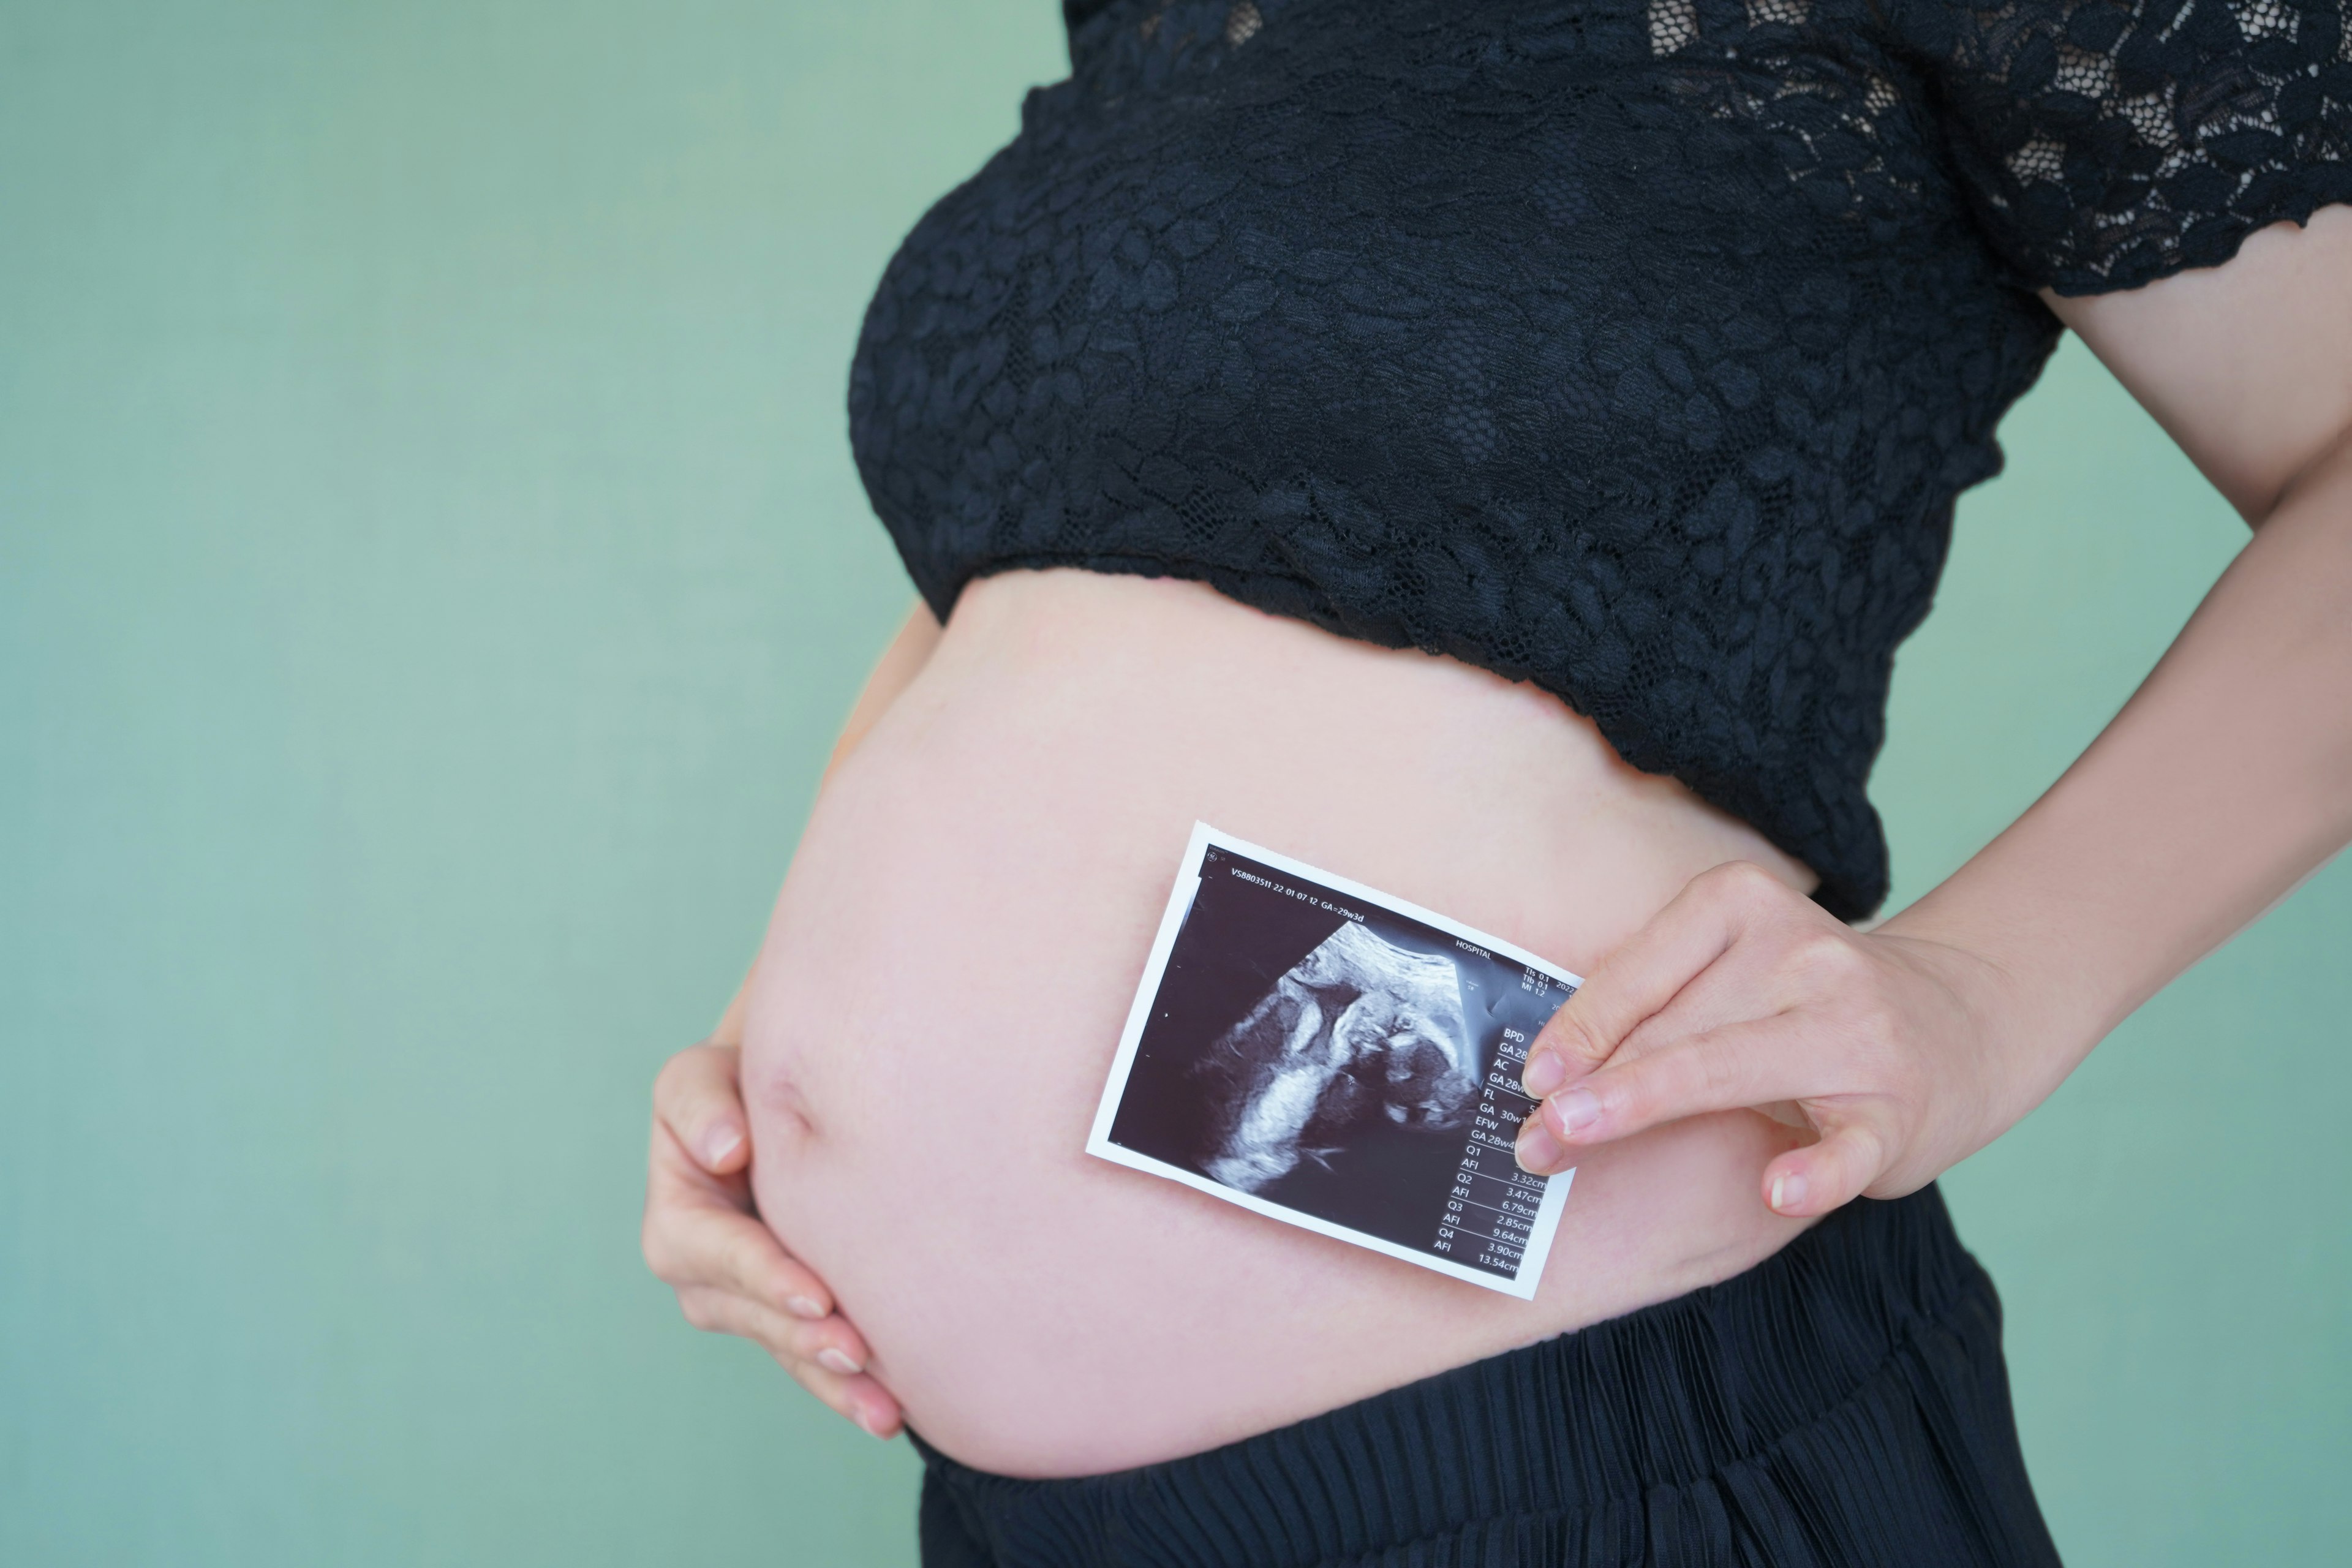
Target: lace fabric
column 1635, row 348
column 2109, row 145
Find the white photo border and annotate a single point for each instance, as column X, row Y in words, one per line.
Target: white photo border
column 1521, row 1284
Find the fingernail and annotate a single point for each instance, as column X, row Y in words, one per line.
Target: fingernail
column 1537, row 1147
column 1574, row 1111
column 719, row 1142
column 875, row 1426
column 838, row 1360
column 1788, row 1190
column 1545, row 1073
column 802, row 1307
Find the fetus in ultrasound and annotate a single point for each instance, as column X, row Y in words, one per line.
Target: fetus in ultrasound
column 1358, row 1029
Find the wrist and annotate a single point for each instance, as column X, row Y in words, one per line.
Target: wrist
column 2011, row 1045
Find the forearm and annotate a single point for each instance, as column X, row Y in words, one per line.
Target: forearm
column 900, row 662
column 2224, row 782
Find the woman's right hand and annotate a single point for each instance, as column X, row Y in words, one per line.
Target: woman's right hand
column 704, row 1240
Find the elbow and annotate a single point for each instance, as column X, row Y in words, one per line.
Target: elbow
column 2327, row 465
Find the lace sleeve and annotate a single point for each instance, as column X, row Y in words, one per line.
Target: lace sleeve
column 2110, row 142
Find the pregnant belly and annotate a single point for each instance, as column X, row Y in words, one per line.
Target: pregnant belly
column 956, row 945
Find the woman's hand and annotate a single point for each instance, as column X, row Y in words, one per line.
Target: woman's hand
column 704, row 1240
column 1743, row 994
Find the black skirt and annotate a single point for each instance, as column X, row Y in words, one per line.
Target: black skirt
column 1844, row 1402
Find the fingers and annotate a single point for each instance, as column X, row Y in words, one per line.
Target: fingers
column 1728, row 1069
column 859, row 1399
column 1828, row 1174
column 702, row 1237
column 827, row 1358
column 829, row 1342
column 698, row 1097
column 1731, row 1069
column 1645, row 973
column 694, row 1238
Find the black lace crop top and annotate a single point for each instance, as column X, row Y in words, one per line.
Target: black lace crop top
column 1635, row 348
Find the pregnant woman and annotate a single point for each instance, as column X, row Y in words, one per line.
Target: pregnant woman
column 1493, row 453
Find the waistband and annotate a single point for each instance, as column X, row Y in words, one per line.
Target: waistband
column 1869, row 1346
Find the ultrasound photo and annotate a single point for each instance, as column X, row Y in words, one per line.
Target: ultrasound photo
column 1329, row 1057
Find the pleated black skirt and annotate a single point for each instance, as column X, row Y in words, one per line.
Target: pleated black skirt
column 1844, row 1402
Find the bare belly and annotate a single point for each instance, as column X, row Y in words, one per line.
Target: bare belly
column 962, row 931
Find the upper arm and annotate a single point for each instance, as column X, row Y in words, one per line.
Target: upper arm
column 2101, row 146
column 2248, row 365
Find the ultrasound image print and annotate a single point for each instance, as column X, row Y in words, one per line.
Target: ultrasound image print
column 1356, row 1028
column 1337, row 1059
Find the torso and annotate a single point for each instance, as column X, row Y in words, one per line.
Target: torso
column 961, row 932
column 1637, row 349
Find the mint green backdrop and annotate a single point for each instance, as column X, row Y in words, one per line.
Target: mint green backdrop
column 430, row 570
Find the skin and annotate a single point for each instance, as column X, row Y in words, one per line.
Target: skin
column 955, row 945
column 1885, row 1056
column 2225, row 780
column 701, row 1234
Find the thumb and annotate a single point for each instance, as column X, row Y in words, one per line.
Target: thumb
column 699, row 1095
column 1828, row 1175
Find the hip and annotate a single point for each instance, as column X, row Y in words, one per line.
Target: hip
column 1843, row 1402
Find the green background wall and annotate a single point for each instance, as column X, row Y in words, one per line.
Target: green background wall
column 430, row 570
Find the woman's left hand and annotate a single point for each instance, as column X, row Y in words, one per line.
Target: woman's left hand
column 1743, row 994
